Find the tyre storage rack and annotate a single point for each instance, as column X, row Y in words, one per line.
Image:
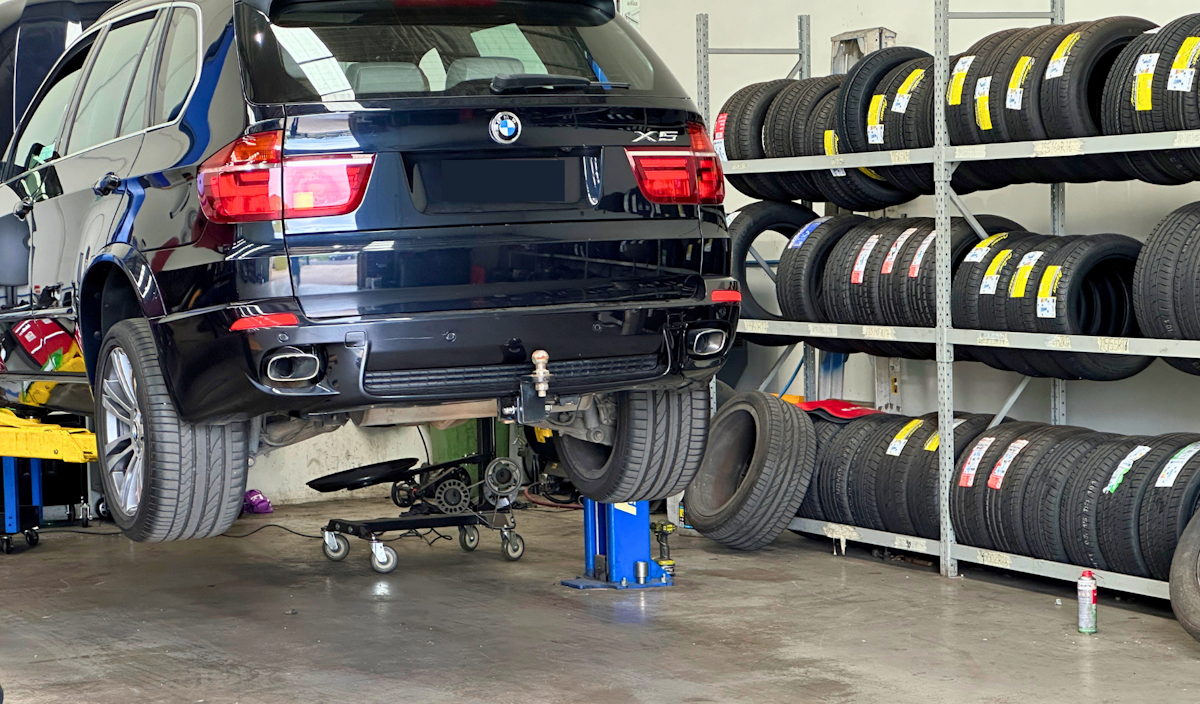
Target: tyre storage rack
column 945, row 158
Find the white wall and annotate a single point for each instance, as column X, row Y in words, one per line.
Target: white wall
column 282, row 474
column 1158, row 400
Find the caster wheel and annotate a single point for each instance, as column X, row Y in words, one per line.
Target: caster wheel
column 84, row 521
column 32, row 537
column 387, row 564
column 513, row 546
column 6, row 545
column 468, row 537
column 340, row 552
column 102, row 509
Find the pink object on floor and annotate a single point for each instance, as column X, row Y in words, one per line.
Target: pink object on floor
column 255, row 502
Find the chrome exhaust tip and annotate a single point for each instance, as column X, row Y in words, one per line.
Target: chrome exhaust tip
column 705, row 342
column 289, row 364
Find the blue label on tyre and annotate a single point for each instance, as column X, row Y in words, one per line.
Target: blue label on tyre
column 802, row 235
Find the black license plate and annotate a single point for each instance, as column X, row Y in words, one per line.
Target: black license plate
column 504, row 181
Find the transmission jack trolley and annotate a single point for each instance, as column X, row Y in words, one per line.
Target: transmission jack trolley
column 438, row 496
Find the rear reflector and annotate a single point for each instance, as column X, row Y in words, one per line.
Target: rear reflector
column 680, row 176
column 726, row 296
column 250, row 180
column 270, row 320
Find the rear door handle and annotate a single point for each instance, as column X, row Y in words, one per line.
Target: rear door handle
column 108, row 183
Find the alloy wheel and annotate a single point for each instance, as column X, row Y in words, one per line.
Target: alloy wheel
column 124, row 432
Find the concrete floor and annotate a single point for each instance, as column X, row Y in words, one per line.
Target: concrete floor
column 100, row 619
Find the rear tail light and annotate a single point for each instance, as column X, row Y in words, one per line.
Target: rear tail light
column 250, row 180
column 241, row 183
column 722, row 295
column 672, row 176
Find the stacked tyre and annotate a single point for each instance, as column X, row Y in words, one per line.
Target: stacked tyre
column 1074, row 285
column 881, row 472
column 1152, row 88
column 801, row 118
column 1059, row 493
column 1116, row 75
column 1108, row 502
column 851, row 269
column 1166, row 289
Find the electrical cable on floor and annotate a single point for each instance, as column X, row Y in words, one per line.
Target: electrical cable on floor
column 75, row 530
column 273, row 525
column 223, row 535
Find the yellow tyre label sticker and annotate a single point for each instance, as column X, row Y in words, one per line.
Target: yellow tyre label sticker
column 979, row 251
column 935, row 442
column 1143, row 82
column 904, row 94
column 992, row 275
column 875, row 119
column 1047, row 303
column 1016, row 83
column 831, row 149
column 1016, row 287
column 1058, row 60
column 1183, row 71
column 901, row 439
column 983, row 112
column 955, row 89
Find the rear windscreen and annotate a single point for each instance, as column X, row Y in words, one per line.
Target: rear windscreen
column 368, row 49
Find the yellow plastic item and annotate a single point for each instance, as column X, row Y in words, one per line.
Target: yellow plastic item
column 21, row 437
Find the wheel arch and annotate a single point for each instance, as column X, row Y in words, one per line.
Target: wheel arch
column 118, row 285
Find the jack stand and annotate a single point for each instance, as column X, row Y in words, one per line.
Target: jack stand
column 616, row 543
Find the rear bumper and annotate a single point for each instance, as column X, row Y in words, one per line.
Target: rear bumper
column 218, row 375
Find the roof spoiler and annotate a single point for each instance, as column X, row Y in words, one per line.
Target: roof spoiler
column 606, row 7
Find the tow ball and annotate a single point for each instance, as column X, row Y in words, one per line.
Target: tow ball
column 531, row 404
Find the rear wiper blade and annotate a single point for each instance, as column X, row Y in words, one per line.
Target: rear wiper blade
column 525, row 81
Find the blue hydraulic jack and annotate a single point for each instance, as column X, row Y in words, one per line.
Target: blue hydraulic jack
column 616, row 543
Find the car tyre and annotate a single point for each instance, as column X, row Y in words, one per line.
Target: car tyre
column 755, row 472
column 164, row 478
column 659, row 442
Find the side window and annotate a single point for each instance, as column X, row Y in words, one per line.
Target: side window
column 36, row 145
column 134, row 117
column 107, row 86
column 178, row 69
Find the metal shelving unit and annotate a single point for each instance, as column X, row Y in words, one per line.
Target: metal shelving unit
column 945, row 158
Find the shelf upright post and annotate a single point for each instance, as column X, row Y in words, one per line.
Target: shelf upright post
column 702, row 84
column 811, row 392
column 1058, row 228
column 945, row 350
column 804, row 70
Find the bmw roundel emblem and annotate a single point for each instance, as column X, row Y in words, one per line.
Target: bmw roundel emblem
column 505, row 128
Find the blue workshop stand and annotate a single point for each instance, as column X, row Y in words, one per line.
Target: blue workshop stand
column 21, row 516
column 616, row 539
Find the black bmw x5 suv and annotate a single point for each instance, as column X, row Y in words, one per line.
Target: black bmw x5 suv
column 230, row 225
